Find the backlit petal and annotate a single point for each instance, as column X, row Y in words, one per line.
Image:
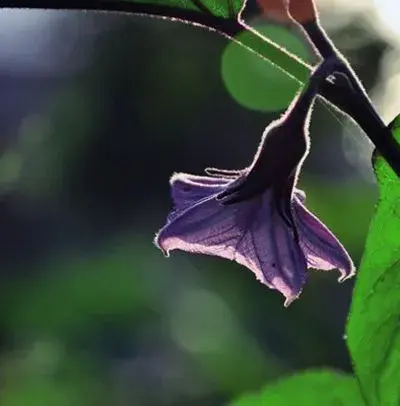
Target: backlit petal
column 321, row 248
column 252, row 233
column 186, row 188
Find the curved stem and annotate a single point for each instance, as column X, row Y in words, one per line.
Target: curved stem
column 357, row 103
column 230, row 28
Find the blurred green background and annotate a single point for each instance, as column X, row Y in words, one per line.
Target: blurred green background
column 96, row 113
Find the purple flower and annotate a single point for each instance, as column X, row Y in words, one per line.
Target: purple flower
column 256, row 216
column 252, row 233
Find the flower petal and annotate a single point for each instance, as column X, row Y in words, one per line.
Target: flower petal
column 187, row 188
column 252, row 233
column 270, row 250
column 203, row 225
column 320, row 246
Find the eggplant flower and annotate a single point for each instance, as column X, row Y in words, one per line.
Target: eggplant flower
column 256, row 216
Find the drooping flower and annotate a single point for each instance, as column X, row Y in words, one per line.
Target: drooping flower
column 256, row 216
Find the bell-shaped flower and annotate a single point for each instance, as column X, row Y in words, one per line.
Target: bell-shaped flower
column 256, row 216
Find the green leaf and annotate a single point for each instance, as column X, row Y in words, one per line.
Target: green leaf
column 217, row 8
column 373, row 328
column 311, row 388
column 229, row 10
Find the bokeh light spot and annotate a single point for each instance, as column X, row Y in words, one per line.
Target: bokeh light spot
column 201, row 321
column 10, row 167
column 255, row 83
column 388, row 11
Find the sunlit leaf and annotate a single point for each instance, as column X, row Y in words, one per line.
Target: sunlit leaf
column 311, row 388
column 217, row 8
column 374, row 324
